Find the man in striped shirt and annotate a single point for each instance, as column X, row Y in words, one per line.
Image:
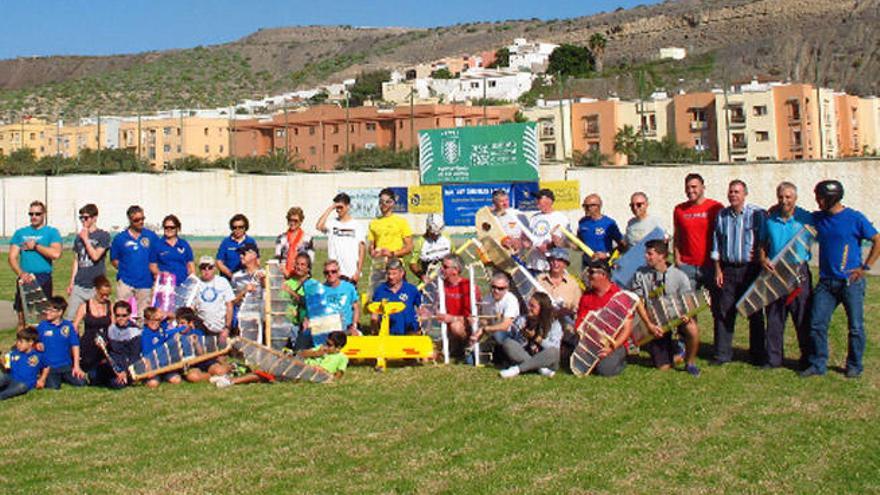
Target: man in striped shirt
column 738, row 235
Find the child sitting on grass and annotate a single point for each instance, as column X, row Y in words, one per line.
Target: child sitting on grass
column 192, row 325
column 26, row 370
column 60, row 346
column 328, row 356
column 153, row 337
column 124, row 345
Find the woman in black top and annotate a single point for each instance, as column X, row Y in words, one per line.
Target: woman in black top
column 96, row 317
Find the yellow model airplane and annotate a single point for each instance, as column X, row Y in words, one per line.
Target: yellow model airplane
column 386, row 346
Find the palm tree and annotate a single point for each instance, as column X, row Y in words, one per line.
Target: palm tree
column 626, row 142
column 597, row 47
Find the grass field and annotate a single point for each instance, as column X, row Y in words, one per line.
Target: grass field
column 456, row 429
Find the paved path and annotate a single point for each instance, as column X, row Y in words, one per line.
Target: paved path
column 8, row 319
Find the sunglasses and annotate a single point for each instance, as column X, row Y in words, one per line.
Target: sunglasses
column 121, row 315
column 330, row 272
column 590, row 205
column 386, row 201
column 593, row 271
column 498, row 287
column 83, row 218
column 238, row 227
column 636, row 205
column 169, row 227
column 35, row 213
column 206, row 267
column 137, row 220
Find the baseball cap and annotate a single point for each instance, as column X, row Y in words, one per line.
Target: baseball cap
column 248, row 246
column 559, row 254
column 206, row 260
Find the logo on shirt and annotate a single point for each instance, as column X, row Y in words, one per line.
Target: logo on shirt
column 65, row 332
column 33, row 361
column 600, row 231
column 145, row 242
column 541, row 228
column 180, row 250
column 48, row 333
column 403, row 297
column 209, row 294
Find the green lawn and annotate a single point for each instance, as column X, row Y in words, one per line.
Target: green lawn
column 458, row 429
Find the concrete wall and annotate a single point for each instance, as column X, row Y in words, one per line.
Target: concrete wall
column 204, row 201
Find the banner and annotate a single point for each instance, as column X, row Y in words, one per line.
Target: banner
column 461, row 201
column 507, row 152
column 365, row 201
column 567, row 192
column 425, row 199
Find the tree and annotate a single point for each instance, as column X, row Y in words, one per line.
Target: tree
column 597, row 48
column 319, row 98
column 592, row 158
column 442, row 73
column 626, row 142
column 372, row 158
column 502, row 59
column 368, row 86
column 571, row 60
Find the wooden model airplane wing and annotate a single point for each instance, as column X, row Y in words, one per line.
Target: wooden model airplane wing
column 772, row 286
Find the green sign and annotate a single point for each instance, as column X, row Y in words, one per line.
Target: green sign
column 498, row 153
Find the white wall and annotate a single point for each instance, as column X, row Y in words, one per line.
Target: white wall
column 204, row 201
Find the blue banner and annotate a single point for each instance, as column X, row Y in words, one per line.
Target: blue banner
column 461, row 201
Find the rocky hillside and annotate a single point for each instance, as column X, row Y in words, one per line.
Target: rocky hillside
column 727, row 40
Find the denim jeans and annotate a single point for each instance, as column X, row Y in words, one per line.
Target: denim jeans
column 10, row 388
column 64, row 374
column 830, row 292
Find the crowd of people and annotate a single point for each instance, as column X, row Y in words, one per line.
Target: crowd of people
column 86, row 338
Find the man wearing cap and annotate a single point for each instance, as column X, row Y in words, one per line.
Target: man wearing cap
column 396, row 288
column 601, row 290
column 346, row 237
column 249, row 277
column 431, row 247
column 840, row 232
column 130, row 254
column 562, row 288
column 214, row 296
column 542, row 224
column 599, row 232
column 32, row 250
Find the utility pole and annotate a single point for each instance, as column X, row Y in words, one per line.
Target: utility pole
column 819, row 103
column 139, row 151
column 561, row 82
column 347, row 125
column 485, row 85
column 286, row 133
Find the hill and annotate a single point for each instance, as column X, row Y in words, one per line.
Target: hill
column 727, row 40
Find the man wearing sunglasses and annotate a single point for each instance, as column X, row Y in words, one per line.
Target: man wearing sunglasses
column 32, row 250
column 346, row 237
column 89, row 253
column 214, row 298
column 599, row 232
column 641, row 224
column 130, row 254
column 333, row 297
column 389, row 234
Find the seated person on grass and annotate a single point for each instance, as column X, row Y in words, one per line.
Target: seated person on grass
column 333, row 303
column 153, row 337
column 328, row 357
column 396, row 288
column 26, row 370
column 123, row 346
column 60, row 346
column 190, row 325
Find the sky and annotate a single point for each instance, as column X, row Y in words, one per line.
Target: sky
column 105, row 27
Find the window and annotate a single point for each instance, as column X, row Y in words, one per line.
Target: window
column 547, row 128
column 178, row 131
column 312, row 150
column 400, row 124
column 335, row 149
column 475, row 85
column 761, row 136
column 593, row 147
column 591, row 125
column 296, row 149
column 550, row 151
column 437, row 122
column 311, row 131
column 371, row 126
column 32, row 136
column 206, row 131
column 166, row 131
column 493, row 84
column 166, row 148
column 759, row 110
column 296, row 131
column 351, row 128
column 178, row 148
column 335, row 129
column 221, row 148
column 279, row 132
column 207, row 148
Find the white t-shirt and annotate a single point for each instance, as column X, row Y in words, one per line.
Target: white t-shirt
column 210, row 302
column 507, row 307
column 542, row 225
column 637, row 229
column 343, row 244
column 509, row 222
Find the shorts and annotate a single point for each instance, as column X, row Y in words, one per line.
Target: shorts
column 662, row 350
column 44, row 280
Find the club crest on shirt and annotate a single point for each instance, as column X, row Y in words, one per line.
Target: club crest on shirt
column 403, row 297
column 600, row 230
column 145, row 242
column 33, row 360
column 65, row 332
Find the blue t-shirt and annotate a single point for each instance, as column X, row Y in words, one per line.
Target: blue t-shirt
column 780, row 231
column 840, row 241
column 228, row 252
column 25, row 367
column 406, row 321
column 172, row 259
column 134, row 257
column 599, row 234
column 30, row 260
column 152, row 340
column 57, row 342
column 323, row 300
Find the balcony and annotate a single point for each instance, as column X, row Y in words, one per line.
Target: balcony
column 796, row 147
column 699, row 125
column 794, row 118
column 737, row 121
column 591, row 132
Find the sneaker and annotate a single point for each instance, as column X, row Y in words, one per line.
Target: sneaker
column 222, row 381
column 851, row 373
column 509, row 372
column 811, row 371
column 546, row 372
column 692, row 369
column 213, row 380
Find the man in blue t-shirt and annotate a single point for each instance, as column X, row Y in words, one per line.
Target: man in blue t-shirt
column 334, row 297
column 784, row 221
column 396, row 288
column 32, row 250
column 840, row 232
column 130, row 254
column 228, row 257
column 599, row 232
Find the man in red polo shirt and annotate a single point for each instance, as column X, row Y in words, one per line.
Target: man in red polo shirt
column 694, row 221
column 458, row 304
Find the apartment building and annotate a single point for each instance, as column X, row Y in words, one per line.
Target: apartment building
column 797, row 116
column 28, row 133
column 848, row 130
column 161, row 140
column 554, row 128
column 320, row 135
column 654, row 117
column 747, row 130
column 530, row 56
column 869, row 123
column 594, row 124
column 696, row 122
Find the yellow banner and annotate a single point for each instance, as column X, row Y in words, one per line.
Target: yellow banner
column 425, row 199
column 567, row 192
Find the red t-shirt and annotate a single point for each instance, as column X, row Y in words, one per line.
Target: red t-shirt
column 693, row 230
column 591, row 301
column 458, row 298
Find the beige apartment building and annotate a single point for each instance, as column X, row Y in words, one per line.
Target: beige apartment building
column 747, row 129
column 554, row 129
column 654, row 117
column 869, row 123
column 160, row 141
column 28, row 133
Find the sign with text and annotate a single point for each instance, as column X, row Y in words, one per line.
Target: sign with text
column 425, row 199
column 507, row 152
column 567, row 192
column 461, row 201
column 365, row 201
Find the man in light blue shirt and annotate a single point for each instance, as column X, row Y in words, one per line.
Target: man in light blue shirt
column 739, row 232
column 32, row 250
column 785, row 220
